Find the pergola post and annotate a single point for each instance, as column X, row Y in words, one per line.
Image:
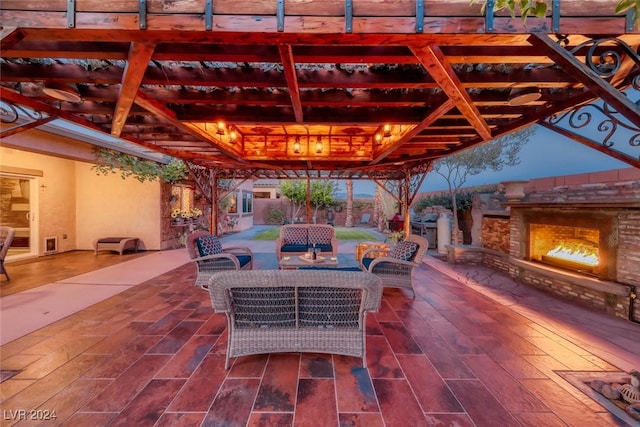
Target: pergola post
column 308, row 200
column 406, row 184
column 213, row 219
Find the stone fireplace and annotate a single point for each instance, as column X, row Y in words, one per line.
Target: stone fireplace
column 582, row 244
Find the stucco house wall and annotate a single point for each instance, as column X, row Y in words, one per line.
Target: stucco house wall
column 77, row 206
column 110, row 206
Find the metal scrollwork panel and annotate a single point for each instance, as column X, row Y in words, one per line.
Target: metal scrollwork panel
column 604, row 56
column 602, row 125
column 10, row 113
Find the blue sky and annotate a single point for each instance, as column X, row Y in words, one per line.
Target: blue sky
column 545, row 154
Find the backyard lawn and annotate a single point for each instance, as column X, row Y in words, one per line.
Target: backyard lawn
column 342, row 233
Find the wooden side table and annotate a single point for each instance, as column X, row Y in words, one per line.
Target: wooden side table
column 363, row 246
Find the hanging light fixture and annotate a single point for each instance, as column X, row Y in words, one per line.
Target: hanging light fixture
column 386, row 130
column 296, row 145
column 220, row 128
column 377, row 138
column 319, row 145
column 233, row 135
column 226, row 133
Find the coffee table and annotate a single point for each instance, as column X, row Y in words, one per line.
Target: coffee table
column 294, row 262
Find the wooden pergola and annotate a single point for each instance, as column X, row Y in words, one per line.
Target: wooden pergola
column 349, row 89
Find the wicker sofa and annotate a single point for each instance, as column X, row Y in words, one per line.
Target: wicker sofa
column 296, row 239
column 276, row 311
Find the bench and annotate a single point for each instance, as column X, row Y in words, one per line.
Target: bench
column 277, row 311
column 118, row 244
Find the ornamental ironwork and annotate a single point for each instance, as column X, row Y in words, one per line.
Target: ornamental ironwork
column 10, row 113
column 604, row 56
column 601, row 125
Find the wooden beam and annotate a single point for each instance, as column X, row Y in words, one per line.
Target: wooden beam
column 168, row 115
column 413, row 131
column 596, row 84
column 138, row 61
column 436, row 64
column 257, row 78
column 5, row 31
column 289, row 69
column 374, row 17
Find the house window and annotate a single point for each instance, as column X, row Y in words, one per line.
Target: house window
column 181, row 198
column 247, row 202
column 233, row 203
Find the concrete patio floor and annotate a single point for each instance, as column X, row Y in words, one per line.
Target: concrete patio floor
column 473, row 348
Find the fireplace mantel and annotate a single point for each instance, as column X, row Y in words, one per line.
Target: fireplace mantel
column 574, row 205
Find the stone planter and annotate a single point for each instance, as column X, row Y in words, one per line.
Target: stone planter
column 514, row 190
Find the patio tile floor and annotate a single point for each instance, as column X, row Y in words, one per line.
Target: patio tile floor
column 473, row 348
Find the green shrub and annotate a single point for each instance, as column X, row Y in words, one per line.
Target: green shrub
column 274, row 215
column 463, row 199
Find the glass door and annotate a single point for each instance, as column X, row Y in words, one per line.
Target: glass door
column 18, row 203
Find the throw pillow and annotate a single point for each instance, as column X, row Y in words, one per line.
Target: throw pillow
column 403, row 250
column 208, row 245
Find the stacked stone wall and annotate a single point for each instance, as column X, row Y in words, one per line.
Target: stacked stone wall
column 629, row 248
column 495, row 234
column 593, row 193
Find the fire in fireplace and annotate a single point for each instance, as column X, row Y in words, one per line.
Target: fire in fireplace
column 590, row 236
column 575, row 254
column 574, row 248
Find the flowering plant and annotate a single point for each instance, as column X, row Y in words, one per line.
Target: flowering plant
column 231, row 221
column 186, row 213
column 395, row 236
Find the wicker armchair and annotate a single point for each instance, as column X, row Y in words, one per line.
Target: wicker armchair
column 6, row 238
column 231, row 258
column 396, row 264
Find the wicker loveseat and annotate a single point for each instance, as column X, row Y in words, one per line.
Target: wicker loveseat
column 276, row 311
column 296, row 239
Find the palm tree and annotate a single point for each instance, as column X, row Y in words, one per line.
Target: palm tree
column 349, row 219
column 378, row 209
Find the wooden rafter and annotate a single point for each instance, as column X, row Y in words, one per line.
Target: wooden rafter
column 275, row 77
column 168, row 115
column 415, row 130
column 286, row 57
column 436, row 64
column 138, row 60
